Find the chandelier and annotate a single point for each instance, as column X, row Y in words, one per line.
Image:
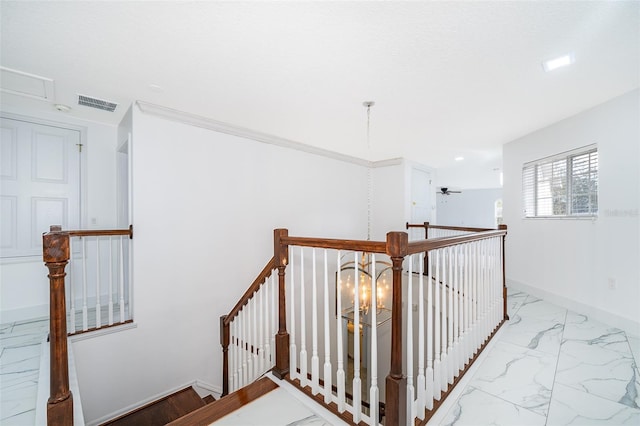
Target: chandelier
column 358, row 299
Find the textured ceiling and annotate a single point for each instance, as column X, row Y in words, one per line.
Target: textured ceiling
column 448, row 78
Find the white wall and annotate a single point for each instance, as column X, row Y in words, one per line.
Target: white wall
column 388, row 199
column 205, row 205
column 572, row 261
column 392, row 196
column 25, row 289
column 473, row 208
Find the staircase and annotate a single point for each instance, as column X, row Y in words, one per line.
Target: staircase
column 446, row 299
column 163, row 411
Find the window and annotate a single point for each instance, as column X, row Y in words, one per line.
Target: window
column 565, row 185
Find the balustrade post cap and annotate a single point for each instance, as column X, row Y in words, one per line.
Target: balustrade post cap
column 55, row 228
column 397, row 244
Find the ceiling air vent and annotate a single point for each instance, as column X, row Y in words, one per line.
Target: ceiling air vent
column 97, row 103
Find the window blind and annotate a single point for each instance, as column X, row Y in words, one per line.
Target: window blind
column 562, row 185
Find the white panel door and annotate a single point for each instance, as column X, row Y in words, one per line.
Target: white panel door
column 40, row 184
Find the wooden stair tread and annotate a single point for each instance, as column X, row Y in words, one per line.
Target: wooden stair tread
column 162, row 411
column 227, row 404
column 209, row 399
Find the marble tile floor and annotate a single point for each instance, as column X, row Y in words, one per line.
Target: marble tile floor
column 20, row 351
column 550, row 366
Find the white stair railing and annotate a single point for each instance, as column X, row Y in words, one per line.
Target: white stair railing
column 99, row 281
column 343, row 379
column 250, row 330
column 464, row 306
column 452, row 291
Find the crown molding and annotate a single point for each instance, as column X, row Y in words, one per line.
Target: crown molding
column 230, row 129
column 386, row 163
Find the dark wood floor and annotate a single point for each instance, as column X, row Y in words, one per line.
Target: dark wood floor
column 162, row 411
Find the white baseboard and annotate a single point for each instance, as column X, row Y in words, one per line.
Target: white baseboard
column 198, row 385
column 629, row 326
column 23, row 314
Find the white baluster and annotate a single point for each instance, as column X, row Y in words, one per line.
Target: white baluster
column 444, row 357
column 315, row 362
column 496, row 283
column 261, row 335
column 293, row 351
column 430, row 337
column 121, row 274
column 455, row 293
column 72, row 291
column 500, row 279
column 357, row 384
column 476, row 290
column 472, row 299
column 240, row 326
column 410, row 389
column 437, row 374
column 464, row 341
column 245, row 346
column 266, row 322
column 236, row 355
column 327, row 336
column 483, row 257
column 110, row 306
column 254, row 337
column 420, row 382
column 374, row 396
column 340, row 379
column 452, row 314
column 85, row 310
column 274, row 314
column 98, row 308
column 238, row 350
column 247, row 338
column 461, row 297
column 129, row 279
column 303, row 326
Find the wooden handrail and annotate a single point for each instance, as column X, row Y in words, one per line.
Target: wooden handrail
column 436, row 243
column 101, row 232
column 332, row 243
column 255, row 286
column 427, row 225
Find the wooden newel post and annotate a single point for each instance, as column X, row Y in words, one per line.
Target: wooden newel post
column 396, row 383
column 504, row 276
column 281, row 256
column 426, row 253
column 224, row 341
column 55, row 254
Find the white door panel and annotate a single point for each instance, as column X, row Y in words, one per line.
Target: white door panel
column 40, row 184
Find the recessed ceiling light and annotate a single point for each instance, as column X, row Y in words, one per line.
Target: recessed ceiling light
column 459, row 158
column 559, row 62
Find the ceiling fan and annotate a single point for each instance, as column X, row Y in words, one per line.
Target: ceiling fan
column 445, row 191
